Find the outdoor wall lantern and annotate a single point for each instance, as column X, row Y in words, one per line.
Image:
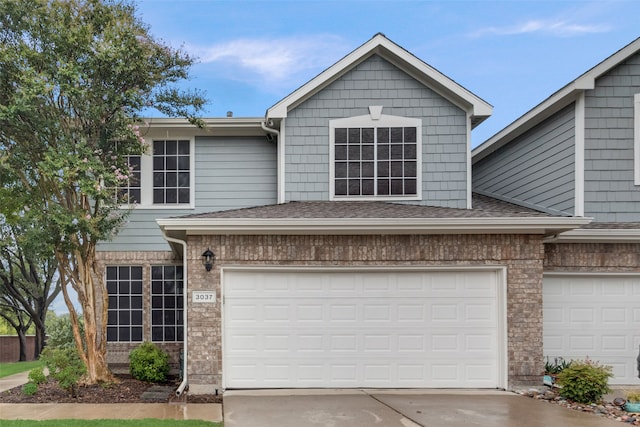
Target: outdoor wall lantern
column 207, row 259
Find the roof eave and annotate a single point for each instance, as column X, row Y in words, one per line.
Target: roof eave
column 219, row 126
column 598, row 236
column 358, row 226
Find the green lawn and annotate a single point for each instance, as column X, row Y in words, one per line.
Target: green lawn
column 7, row 369
column 109, row 423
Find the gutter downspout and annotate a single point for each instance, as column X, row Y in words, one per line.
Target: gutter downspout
column 184, row 382
column 280, row 153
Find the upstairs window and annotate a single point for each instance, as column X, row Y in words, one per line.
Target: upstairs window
column 171, row 172
column 130, row 194
column 376, row 157
column 162, row 179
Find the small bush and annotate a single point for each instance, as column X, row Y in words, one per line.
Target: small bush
column 36, row 376
column 584, row 381
column 30, row 389
column 65, row 366
column 148, row 363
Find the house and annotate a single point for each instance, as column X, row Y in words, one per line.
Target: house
column 578, row 153
column 339, row 242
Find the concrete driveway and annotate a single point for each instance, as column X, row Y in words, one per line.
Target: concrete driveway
column 366, row 408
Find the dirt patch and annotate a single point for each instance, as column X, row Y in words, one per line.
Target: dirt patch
column 125, row 390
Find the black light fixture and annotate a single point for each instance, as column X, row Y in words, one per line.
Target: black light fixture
column 207, row 259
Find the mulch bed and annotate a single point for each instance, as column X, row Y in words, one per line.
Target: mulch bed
column 125, row 390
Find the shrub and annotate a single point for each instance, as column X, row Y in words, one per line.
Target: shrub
column 148, row 363
column 30, row 389
column 36, row 376
column 65, row 366
column 584, row 381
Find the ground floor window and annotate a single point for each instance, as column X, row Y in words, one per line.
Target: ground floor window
column 167, row 303
column 124, row 321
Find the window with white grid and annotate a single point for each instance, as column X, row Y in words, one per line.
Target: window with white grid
column 375, row 158
column 171, row 171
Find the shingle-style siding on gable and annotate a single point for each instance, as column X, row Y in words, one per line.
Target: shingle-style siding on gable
column 610, row 193
column 230, row 173
column 377, row 82
column 536, row 169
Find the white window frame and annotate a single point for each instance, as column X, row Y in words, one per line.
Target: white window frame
column 375, row 120
column 146, row 179
column 636, row 138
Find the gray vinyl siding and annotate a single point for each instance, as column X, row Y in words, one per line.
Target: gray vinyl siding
column 610, row 193
column 375, row 81
column 536, row 169
column 230, row 173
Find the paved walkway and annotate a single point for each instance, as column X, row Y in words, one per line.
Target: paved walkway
column 49, row 411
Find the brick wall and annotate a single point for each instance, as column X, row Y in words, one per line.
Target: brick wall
column 10, row 348
column 592, row 257
column 522, row 255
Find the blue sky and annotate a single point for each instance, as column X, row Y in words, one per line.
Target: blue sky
column 513, row 54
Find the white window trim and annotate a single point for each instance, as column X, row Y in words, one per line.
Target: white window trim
column 146, row 179
column 636, row 138
column 375, row 119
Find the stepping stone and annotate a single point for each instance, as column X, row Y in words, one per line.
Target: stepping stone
column 157, row 392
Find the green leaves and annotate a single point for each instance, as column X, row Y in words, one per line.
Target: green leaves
column 74, row 75
column 584, row 381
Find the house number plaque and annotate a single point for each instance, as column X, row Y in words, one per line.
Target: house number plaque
column 203, row 296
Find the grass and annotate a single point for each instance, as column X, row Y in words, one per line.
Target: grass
column 147, row 422
column 7, row 369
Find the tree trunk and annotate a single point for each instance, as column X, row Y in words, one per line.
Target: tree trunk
column 94, row 300
column 22, row 338
column 40, row 342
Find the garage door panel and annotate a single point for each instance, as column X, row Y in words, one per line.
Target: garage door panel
column 360, row 329
column 595, row 317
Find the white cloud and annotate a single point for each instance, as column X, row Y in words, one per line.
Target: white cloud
column 550, row 27
column 271, row 61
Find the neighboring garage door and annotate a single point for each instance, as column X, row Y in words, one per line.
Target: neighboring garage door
column 594, row 316
column 343, row 329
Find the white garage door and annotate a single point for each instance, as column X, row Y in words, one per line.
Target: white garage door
column 344, row 329
column 596, row 317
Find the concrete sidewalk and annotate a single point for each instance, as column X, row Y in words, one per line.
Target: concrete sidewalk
column 121, row 411
column 12, row 381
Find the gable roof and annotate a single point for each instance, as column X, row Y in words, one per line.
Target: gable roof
column 380, row 45
column 554, row 103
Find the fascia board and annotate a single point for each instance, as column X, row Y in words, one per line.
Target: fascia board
column 395, row 54
column 341, row 226
column 530, row 119
column 213, row 127
column 599, row 236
